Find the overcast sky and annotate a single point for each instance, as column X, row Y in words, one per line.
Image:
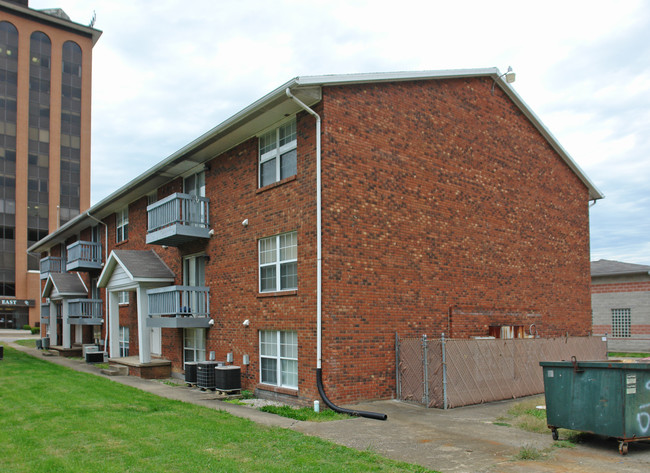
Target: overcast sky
column 166, row 71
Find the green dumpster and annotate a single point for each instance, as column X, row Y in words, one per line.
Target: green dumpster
column 602, row 397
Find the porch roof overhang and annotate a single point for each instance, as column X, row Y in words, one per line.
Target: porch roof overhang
column 141, row 267
column 64, row 285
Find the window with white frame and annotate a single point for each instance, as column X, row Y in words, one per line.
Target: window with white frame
column 621, row 323
column 193, row 345
column 279, row 358
column 124, row 341
column 278, row 154
column 123, row 297
column 122, row 225
column 278, row 257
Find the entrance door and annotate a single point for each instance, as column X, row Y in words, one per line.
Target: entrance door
column 156, row 341
column 194, row 276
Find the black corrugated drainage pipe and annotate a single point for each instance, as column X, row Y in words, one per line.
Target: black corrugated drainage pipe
column 321, row 391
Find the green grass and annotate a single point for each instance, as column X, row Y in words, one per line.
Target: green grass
column 304, row 413
column 528, row 452
column 617, row 354
column 55, row 419
column 526, row 416
column 27, row 343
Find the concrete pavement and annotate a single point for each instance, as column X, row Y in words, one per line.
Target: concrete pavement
column 457, row 440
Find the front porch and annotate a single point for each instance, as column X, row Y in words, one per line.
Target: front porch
column 157, row 368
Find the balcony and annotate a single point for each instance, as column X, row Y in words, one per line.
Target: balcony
column 45, row 314
column 179, row 307
column 51, row 264
column 84, row 256
column 85, row 312
column 177, row 219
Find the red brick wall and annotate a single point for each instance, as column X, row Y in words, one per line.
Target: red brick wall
column 639, row 286
column 435, row 194
column 438, row 194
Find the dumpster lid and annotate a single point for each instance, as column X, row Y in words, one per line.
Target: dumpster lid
column 609, row 364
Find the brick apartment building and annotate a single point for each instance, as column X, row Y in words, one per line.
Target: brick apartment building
column 45, row 101
column 620, row 301
column 433, row 202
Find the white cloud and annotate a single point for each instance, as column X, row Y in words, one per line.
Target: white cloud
column 167, row 71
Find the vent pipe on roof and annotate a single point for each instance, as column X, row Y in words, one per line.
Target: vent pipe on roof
column 319, row 280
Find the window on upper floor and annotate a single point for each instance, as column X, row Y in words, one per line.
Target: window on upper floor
column 279, row 358
column 123, row 297
column 278, row 154
column 621, row 323
column 278, row 260
column 122, row 225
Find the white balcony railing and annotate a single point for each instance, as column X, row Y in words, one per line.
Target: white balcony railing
column 182, row 209
column 51, row 264
column 179, row 306
column 84, row 255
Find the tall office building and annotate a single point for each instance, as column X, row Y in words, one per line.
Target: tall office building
column 45, row 103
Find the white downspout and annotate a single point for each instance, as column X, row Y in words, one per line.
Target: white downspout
column 319, row 283
column 319, row 257
column 105, row 259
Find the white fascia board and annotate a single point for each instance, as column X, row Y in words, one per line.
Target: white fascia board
column 373, row 77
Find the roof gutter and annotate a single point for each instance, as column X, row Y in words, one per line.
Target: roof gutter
column 319, row 275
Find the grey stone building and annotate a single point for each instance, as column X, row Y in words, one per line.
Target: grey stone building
column 620, row 303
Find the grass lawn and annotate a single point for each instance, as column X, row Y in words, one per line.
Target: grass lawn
column 58, row 420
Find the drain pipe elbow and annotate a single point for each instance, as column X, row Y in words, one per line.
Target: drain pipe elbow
column 342, row 410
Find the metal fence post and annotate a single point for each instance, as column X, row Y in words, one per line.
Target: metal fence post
column 398, row 386
column 425, row 397
column 444, row 374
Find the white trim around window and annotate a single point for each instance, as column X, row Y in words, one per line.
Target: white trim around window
column 193, row 345
column 122, row 224
column 279, row 358
column 278, row 156
column 278, row 262
column 123, row 297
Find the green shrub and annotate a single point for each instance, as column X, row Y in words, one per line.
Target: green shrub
column 35, row 330
column 26, row 327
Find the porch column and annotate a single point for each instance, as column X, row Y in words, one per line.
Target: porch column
column 65, row 326
column 113, row 325
column 144, row 338
column 53, row 321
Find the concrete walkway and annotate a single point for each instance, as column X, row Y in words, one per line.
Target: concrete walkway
column 457, row 440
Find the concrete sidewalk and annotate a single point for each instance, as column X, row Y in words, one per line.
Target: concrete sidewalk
column 457, row 440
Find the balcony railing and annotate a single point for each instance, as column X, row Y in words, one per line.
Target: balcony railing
column 179, row 307
column 51, row 264
column 84, row 256
column 45, row 314
column 85, row 311
column 177, row 219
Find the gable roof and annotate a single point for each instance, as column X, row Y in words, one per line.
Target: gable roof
column 142, row 266
column 605, row 267
column 269, row 109
column 59, row 285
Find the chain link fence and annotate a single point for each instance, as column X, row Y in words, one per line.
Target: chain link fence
column 452, row 373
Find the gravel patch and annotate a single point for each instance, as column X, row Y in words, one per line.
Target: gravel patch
column 257, row 403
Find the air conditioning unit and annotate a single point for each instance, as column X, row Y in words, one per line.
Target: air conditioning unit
column 95, row 356
column 205, row 374
column 46, row 343
column 89, row 348
column 190, row 372
column 228, row 378
column 39, row 344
